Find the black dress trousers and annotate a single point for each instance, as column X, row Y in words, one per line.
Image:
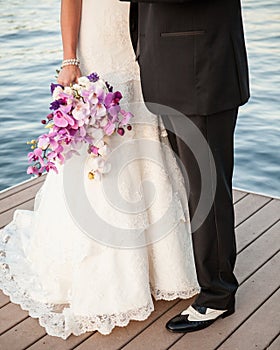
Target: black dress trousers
column 214, row 240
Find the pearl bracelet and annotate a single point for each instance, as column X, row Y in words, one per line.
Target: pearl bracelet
column 70, row 62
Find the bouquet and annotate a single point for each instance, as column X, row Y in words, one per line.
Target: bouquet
column 85, row 112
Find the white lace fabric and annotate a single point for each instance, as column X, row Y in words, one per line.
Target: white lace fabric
column 75, row 284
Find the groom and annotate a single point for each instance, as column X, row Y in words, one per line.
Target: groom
column 192, row 57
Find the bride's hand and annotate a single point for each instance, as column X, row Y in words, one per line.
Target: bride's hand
column 69, row 75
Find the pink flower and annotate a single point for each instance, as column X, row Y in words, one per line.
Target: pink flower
column 126, row 117
column 47, row 139
column 57, row 153
column 94, row 150
column 51, row 166
column 36, row 155
column 96, row 92
column 59, row 120
column 109, row 128
column 62, row 116
column 82, row 113
column 32, row 170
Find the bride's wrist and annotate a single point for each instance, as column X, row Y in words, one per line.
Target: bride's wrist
column 70, row 62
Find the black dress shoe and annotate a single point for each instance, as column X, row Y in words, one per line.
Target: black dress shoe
column 196, row 318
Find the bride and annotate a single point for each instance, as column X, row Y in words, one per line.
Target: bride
column 93, row 252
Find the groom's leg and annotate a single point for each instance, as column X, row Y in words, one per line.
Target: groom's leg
column 214, row 240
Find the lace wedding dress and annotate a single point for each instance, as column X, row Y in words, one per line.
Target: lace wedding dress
column 93, row 253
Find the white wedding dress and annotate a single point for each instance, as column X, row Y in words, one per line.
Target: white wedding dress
column 93, row 253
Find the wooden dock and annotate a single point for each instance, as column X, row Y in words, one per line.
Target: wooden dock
column 255, row 325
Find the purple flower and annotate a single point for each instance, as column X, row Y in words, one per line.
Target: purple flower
column 53, row 86
column 112, row 103
column 83, row 113
column 57, row 103
column 109, row 100
column 93, row 77
column 114, row 111
column 112, row 99
column 117, row 97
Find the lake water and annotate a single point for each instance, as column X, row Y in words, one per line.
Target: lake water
column 31, row 52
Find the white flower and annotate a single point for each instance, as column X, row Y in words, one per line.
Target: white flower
column 99, row 144
column 101, row 84
column 97, row 163
column 100, row 110
column 99, row 166
column 104, row 150
column 81, row 111
column 84, row 81
column 68, row 91
column 58, row 90
column 77, row 88
column 104, row 122
column 43, row 142
column 106, row 168
column 97, row 175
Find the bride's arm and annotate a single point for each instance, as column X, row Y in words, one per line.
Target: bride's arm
column 70, row 20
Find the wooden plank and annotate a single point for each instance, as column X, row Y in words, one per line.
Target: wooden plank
column 4, row 299
column 250, row 259
column 250, row 296
column 275, row 345
column 258, row 223
column 238, row 195
column 22, row 335
column 156, row 336
column 11, row 314
column 248, row 206
column 120, row 336
column 54, row 343
column 26, row 184
column 7, row 217
column 259, row 329
column 20, row 197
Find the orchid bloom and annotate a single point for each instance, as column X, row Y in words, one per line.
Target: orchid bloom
column 85, row 112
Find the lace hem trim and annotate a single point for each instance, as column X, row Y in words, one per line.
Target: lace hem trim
column 59, row 320
column 159, row 294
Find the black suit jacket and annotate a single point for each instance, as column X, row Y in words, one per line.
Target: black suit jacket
column 191, row 53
